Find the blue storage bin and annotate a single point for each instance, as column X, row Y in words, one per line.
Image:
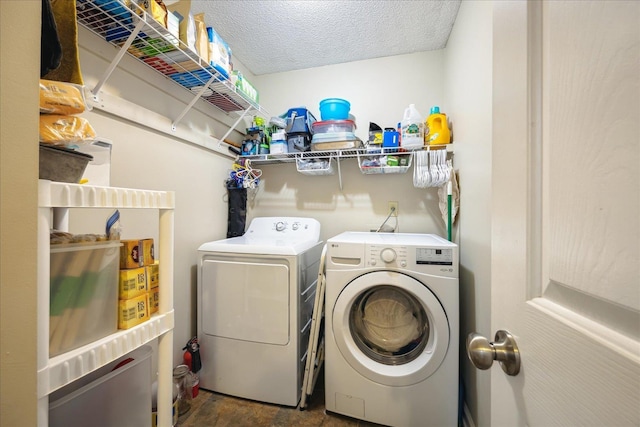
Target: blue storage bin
column 299, row 120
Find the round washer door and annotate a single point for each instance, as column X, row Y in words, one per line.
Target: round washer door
column 390, row 328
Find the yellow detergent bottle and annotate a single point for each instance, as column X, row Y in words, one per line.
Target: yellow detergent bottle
column 437, row 128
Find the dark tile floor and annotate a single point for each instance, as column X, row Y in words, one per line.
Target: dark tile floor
column 213, row 409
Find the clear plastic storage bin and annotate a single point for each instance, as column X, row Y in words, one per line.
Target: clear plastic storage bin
column 116, row 395
column 334, row 126
column 83, row 299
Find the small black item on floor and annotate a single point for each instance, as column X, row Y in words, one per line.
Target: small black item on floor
column 192, row 355
column 237, row 209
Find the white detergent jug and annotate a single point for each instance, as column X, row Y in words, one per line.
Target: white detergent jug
column 412, row 129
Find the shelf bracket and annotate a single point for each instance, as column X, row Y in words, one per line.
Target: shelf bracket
column 339, row 172
column 117, row 59
column 244, row 113
column 202, row 90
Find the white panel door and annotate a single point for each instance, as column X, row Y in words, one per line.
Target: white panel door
column 566, row 212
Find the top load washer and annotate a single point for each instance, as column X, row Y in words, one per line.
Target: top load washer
column 255, row 303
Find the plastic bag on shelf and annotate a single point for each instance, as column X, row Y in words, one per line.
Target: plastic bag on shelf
column 61, row 98
column 57, row 129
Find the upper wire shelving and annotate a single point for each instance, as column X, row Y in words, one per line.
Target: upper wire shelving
column 135, row 32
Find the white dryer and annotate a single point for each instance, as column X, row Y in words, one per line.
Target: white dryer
column 255, row 303
column 392, row 328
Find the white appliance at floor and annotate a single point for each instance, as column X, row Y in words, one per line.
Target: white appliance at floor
column 255, row 301
column 392, row 328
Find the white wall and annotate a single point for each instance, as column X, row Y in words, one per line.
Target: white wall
column 379, row 90
column 468, row 59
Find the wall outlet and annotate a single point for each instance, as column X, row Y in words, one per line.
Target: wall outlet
column 393, row 209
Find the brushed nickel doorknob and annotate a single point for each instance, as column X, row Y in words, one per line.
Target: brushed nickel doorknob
column 482, row 353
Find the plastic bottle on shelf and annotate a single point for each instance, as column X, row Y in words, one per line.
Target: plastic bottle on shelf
column 437, row 128
column 412, row 128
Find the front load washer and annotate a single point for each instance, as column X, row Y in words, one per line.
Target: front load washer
column 255, row 303
column 392, row 328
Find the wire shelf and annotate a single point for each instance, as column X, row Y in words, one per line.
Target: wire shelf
column 326, row 154
column 154, row 46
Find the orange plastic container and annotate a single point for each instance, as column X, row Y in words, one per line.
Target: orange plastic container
column 438, row 128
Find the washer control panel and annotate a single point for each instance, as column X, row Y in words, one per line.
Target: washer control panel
column 387, row 256
column 403, row 256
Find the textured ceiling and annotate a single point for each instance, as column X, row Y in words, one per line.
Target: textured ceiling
column 275, row 36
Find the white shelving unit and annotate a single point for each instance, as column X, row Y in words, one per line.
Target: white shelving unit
column 54, row 201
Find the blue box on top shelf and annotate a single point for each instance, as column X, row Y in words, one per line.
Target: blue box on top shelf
column 219, row 53
column 120, row 34
column 115, row 9
column 390, row 139
column 194, row 78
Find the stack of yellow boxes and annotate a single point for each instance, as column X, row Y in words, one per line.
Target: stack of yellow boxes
column 136, row 264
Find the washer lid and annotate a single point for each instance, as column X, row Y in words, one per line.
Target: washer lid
column 271, row 235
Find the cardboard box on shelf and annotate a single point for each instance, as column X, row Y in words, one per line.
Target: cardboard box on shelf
column 153, row 275
column 154, row 300
column 133, row 282
column 136, row 253
column 187, row 24
column 133, row 311
column 173, row 26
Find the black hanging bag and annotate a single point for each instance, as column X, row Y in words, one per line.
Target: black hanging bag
column 50, row 47
column 237, row 209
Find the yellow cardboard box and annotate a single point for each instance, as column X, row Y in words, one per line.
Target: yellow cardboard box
column 153, row 275
column 136, row 253
column 133, row 282
column 154, row 300
column 132, row 312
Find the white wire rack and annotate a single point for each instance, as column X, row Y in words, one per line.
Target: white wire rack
column 136, row 33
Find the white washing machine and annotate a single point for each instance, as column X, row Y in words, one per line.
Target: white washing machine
column 392, row 328
column 255, row 301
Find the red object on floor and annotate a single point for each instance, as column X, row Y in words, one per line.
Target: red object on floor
column 186, row 357
column 196, row 388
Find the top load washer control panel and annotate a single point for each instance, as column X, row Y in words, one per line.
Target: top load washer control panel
column 294, row 228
